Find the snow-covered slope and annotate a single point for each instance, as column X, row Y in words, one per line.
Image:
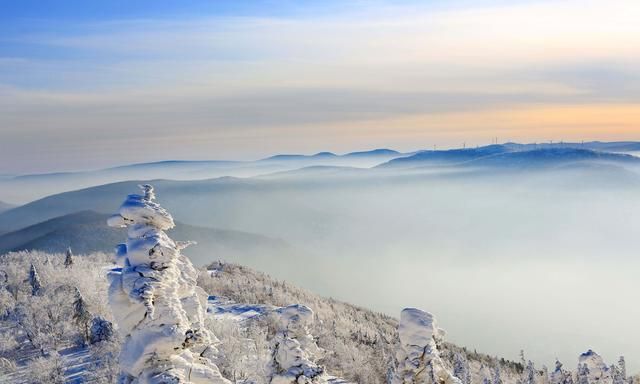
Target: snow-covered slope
column 359, row 345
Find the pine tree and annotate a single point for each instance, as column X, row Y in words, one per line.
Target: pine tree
column 529, row 374
column 461, row 368
column 68, row 260
column 583, row 374
column 497, row 376
column 101, row 330
column 622, row 365
column 559, row 375
column 34, row 281
column 81, row 315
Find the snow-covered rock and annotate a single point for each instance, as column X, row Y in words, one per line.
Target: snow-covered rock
column 591, row 367
column 417, row 358
column 154, row 298
column 295, row 350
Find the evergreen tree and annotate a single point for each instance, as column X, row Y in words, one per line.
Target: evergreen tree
column 622, row 365
column 497, row 376
column 529, row 373
column 101, row 330
column 68, row 260
column 461, row 368
column 583, row 374
column 559, row 375
column 34, row 281
column 81, row 315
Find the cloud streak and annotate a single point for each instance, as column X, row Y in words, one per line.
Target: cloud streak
column 260, row 77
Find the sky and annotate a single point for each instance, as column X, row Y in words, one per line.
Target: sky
column 87, row 85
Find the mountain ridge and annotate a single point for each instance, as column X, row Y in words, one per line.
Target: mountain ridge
column 74, row 230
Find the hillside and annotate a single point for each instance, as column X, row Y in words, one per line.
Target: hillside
column 5, row 206
column 359, row 345
column 368, row 339
column 87, row 232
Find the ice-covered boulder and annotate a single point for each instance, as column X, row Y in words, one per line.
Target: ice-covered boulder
column 157, row 306
column 295, row 350
column 417, row 357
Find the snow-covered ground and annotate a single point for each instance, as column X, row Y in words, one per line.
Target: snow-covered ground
column 223, row 308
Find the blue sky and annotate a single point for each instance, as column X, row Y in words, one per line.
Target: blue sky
column 91, row 84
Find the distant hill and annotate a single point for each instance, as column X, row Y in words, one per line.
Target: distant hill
column 381, row 152
column 445, row 157
column 5, row 206
column 510, row 155
column 615, row 146
column 87, row 232
column 31, row 187
column 285, row 204
column 552, row 157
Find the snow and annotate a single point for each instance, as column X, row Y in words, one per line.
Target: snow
column 598, row 370
column 158, row 308
column 294, row 348
column 417, row 356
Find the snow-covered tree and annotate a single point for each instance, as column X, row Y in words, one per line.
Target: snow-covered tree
column 560, row 375
column 622, row 369
column 68, row 259
column 583, row 374
column 461, row 368
column 81, row 315
column 101, row 330
column 497, row 375
column 529, row 374
column 34, row 281
column 158, row 307
column 417, row 358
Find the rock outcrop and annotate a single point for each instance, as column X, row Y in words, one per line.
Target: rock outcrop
column 417, row 358
column 158, row 308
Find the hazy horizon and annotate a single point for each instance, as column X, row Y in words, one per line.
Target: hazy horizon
column 84, row 85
